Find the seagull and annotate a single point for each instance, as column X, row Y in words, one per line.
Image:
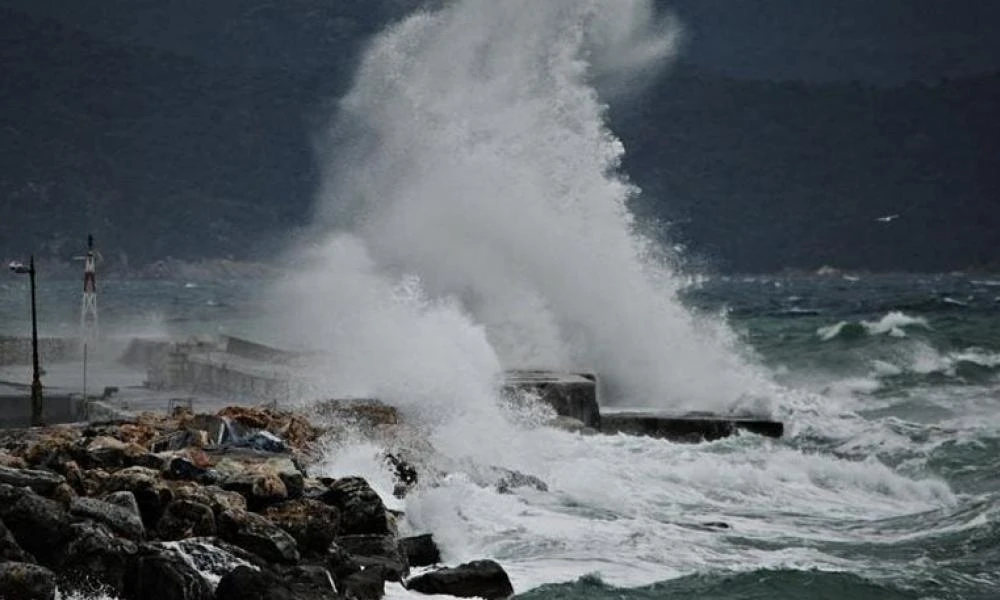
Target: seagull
column 887, row 218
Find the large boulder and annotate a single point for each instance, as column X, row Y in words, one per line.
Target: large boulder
column 313, row 524
column 25, row 581
column 40, row 481
column 212, row 496
column 362, row 510
column 420, row 550
column 261, row 483
column 10, row 550
column 96, row 559
column 122, row 521
column 161, row 573
column 381, row 552
column 40, row 525
column 256, row 534
column 477, row 579
column 363, row 585
column 247, row 583
column 109, row 453
column 184, row 518
column 151, row 494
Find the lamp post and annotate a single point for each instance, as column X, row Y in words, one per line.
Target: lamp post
column 36, row 382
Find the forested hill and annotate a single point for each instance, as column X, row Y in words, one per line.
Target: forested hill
column 170, row 154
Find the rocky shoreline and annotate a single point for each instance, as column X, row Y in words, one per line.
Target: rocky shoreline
column 212, row 507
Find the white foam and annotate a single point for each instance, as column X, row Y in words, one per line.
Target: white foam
column 471, row 160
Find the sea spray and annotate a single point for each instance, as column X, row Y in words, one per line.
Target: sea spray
column 472, row 160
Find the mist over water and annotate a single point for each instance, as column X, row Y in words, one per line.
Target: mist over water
column 471, row 167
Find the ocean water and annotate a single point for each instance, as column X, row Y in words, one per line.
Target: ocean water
column 474, row 217
column 887, row 484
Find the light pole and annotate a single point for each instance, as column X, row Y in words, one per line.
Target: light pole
column 36, row 382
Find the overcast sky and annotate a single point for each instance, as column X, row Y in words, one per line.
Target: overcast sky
column 885, row 41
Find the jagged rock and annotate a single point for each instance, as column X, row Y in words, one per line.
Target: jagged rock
column 40, row 525
column 55, row 448
column 64, row 494
column 151, row 494
column 96, row 558
column 213, row 558
column 477, row 579
column 313, row 524
column 341, row 564
column 182, row 468
column 42, row 482
column 124, row 499
column 420, row 550
column 514, row 479
column 262, row 484
column 310, row 582
column 363, row 585
column 12, row 462
column 405, row 474
column 10, row 550
column 212, row 496
column 361, row 508
column 245, row 583
column 184, row 518
column 110, row 453
column 25, row 581
column 382, row 552
column 161, row 573
column 256, row 534
column 122, row 521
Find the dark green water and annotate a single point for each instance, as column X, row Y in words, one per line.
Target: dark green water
column 886, row 486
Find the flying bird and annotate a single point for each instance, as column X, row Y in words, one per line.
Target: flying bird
column 887, row 218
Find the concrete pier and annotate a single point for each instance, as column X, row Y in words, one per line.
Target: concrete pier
column 692, row 427
column 249, row 372
column 569, row 394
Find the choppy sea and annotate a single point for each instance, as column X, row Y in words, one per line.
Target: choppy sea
column 887, row 484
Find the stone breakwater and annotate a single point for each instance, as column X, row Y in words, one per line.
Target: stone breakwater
column 212, row 507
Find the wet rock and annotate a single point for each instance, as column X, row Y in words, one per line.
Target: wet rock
column 477, row 579
column 509, row 480
column 109, row 453
column 40, row 525
column 151, row 494
column 184, row 518
column 363, row 585
column 124, row 499
column 10, row 550
column 212, row 496
column 246, row 583
column 382, row 552
column 256, row 534
column 12, row 462
column 213, row 558
column 122, row 521
column 161, row 573
column 341, row 564
column 420, row 550
column 361, row 508
column 313, row 524
column 405, row 474
column 310, row 582
column 42, row 482
column 262, row 484
column 25, row 581
column 64, row 495
column 96, row 558
column 184, row 469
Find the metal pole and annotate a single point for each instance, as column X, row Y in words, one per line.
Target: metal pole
column 36, row 383
column 84, row 372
